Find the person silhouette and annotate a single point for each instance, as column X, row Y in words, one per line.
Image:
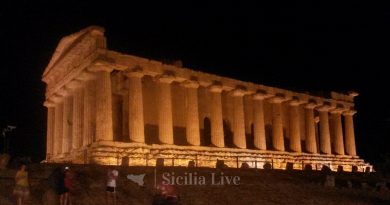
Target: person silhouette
column 112, row 176
column 21, row 190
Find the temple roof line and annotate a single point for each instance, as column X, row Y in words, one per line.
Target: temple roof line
column 87, row 48
column 121, row 61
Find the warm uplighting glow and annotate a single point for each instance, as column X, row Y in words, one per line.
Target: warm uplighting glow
column 110, row 108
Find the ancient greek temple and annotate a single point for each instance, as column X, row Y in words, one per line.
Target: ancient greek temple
column 111, row 108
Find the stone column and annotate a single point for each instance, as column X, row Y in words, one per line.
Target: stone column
column 277, row 124
column 350, row 146
column 338, row 131
column 217, row 136
column 58, row 115
column 50, row 129
column 258, row 121
column 239, row 138
column 77, row 131
column 136, row 110
column 67, row 124
column 89, row 109
column 311, row 142
column 104, row 128
column 192, row 113
column 295, row 132
column 165, row 124
column 325, row 146
column 125, row 114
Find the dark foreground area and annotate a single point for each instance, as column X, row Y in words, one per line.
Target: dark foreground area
column 253, row 187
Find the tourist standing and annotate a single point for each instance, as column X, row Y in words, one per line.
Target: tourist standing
column 54, row 182
column 112, row 176
column 62, row 190
column 21, row 190
column 68, row 183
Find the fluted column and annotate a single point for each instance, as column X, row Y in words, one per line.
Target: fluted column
column 67, row 124
column 136, row 110
column 239, row 138
column 311, row 142
column 89, row 122
column 258, row 121
column 58, row 115
column 50, row 129
column 104, row 127
column 295, row 131
column 217, row 136
column 325, row 146
column 350, row 146
column 165, row 124
column 77, row 131
column 125, row 115
column 192, row 113
column 277, row 124
column 338, row 131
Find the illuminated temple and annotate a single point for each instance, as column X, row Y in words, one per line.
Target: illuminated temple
column 106, row 107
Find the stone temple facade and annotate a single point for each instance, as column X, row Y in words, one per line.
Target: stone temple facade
column 111, row 108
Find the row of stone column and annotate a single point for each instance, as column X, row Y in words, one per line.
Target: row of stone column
column 294, row 127
column 217, row 134
column 91, row 113
column 71, row 116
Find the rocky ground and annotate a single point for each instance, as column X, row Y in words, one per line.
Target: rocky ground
column 254, row 187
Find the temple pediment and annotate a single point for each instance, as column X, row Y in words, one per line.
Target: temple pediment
column 71, row 51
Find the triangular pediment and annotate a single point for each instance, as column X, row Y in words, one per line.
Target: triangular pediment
column 67, row 43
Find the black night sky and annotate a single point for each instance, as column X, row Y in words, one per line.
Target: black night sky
column 304, row 46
